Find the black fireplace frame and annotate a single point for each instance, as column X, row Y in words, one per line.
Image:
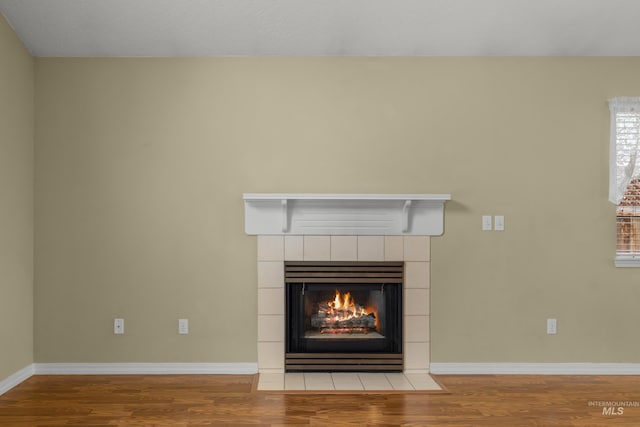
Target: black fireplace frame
column 384, row 353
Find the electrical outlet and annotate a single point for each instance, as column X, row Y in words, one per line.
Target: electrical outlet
column 183, row 326
column 552, row 326
column 118, row 326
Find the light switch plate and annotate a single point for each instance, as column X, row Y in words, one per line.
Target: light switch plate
column 498, row 223
column 486, row 223
column 183, row 326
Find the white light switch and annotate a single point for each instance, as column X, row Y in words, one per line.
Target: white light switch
column 486, row 222
column 183, row 326
column 499, row 223
column 552, row 326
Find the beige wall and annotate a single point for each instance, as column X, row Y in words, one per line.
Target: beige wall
column 16, row 203
column 141, row 165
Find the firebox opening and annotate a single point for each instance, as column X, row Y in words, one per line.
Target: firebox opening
column 348, row 313
column 343, row 316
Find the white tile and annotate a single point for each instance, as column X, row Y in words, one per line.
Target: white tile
column 416, row 356
column 423, row 382
column 293, row 248
column 271, row 378
column 375, row 381
column 416, row 274
column 270, row 274
column 393, row 248
column 270, row 301
column 417, row 248
column 370, row 248
column 317, row 248
column 416, row 328
column 346, row 381
column 416, row 302
column 318, row 381
column 294, row 381
column 399, row 381
column 268, row 381
column 270, row 248
column 269, row 387
column 344, row 248
column 271, row 328
column 270, row 355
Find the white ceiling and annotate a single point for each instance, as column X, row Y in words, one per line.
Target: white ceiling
column 325, row 27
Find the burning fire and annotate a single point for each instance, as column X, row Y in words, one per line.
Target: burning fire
column 344, row 316
column 345, row 308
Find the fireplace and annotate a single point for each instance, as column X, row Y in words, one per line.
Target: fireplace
column 343, row 316
column 344, row 228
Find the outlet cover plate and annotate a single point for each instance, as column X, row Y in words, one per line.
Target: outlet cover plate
column 118, row 326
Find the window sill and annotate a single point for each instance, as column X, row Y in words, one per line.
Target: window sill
column 627, row 261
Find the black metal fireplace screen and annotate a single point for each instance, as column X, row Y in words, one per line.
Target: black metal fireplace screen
column 343, row 316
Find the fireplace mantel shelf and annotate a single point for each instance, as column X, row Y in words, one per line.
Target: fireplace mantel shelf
column 344, row 214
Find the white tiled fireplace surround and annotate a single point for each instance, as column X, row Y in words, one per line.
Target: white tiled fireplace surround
column 273, row 251
column 344, row 227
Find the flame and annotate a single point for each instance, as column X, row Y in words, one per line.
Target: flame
column 344, row 307
column 344, row 303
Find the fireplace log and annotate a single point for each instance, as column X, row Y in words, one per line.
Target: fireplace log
column 321, row 321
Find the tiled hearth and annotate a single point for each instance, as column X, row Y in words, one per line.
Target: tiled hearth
column 273, row 251
column 347, row 381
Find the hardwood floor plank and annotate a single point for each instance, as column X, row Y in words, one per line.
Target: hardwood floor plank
column 230, row 400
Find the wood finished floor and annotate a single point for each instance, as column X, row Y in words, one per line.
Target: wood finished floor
column 202, row 400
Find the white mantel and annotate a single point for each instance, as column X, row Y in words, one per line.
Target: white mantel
column 345, row 214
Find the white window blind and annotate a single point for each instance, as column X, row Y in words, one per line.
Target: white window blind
column 624, row 178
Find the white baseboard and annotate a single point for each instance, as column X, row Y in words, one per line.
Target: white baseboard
column 144, row 368
column 13, row 380
column 535, row 368
column 252, row 368
column 124, row 369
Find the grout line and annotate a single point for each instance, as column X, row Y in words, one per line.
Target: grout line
column 413, row 387
column 409, row 382
column 361, row 383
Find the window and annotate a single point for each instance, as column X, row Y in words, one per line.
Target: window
column 628, row 221
column 624, row 178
